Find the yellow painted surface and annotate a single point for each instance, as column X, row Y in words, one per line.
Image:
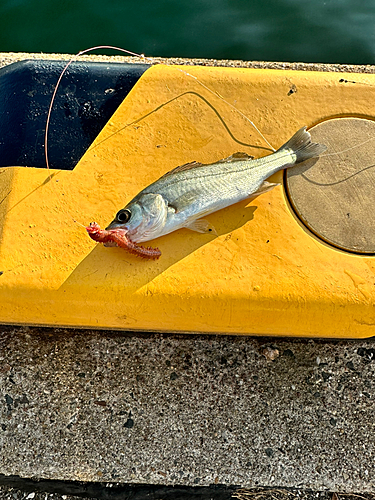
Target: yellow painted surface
column 263, row 274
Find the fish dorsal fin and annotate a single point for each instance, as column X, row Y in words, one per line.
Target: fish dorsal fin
column 195, row 164
column 182, row 168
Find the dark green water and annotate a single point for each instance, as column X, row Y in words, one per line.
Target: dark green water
column 337, row 31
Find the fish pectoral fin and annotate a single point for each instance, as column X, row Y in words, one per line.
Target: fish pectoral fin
column 201, row 226
column 184, row 201
column 266, row 186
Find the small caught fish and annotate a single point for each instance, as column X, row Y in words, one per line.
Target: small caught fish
column 181, row 197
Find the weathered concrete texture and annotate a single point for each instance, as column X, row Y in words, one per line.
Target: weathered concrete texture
column 17, row 494
column 109, row 491
column 125, row 492
column 16, row 488
column 10, row 57
column 190, row 410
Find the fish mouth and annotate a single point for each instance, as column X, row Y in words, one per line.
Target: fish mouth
column 119, row 232
column 116, row 225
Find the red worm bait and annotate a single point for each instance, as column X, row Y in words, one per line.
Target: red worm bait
column 119, row 238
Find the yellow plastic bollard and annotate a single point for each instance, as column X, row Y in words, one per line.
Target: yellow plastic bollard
column 267, row 272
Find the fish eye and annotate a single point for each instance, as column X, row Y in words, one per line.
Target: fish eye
column 123, row 216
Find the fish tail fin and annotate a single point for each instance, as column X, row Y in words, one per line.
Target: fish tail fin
column 302, row 146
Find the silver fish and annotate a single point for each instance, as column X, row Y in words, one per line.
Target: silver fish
column 181, row 197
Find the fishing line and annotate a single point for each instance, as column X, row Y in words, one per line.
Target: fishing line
column 335, row 183
column 229, row 104
column 59, row 81
column 348, row 149
column 141, row 56
column 73, row 58
column 152, row 61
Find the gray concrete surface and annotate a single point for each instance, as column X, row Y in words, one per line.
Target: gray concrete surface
column 9, row 57
column 114, row 492
column 9, row 493
column 109, row 492
column 190, row 410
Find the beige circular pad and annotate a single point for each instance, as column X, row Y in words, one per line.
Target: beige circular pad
column 335, row 196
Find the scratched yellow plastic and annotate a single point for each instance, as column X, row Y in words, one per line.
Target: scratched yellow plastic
column 263, row 274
